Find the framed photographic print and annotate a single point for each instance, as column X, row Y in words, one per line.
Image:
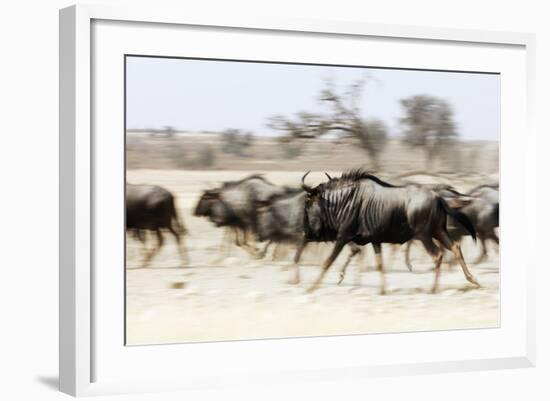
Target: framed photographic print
column 294, row 200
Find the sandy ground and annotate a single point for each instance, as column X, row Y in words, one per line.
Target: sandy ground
column 240, row 297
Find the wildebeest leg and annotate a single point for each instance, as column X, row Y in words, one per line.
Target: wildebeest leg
column 483, row 256
column 354, row 251
column 380, row 267
column 364, row 267
column 333, row 255
column 452, row 261
column 437, row 255
column 236, row 231
column 276, row 251
column 493, row 235
column 446, row 241
column 264, row 251
column 251, row 249
column 225, row 247
column 238, row 242
column 394, row 248
column 408, row 256
column 297, row 256
column 140, row 236
column 181, row 246
column 155, row 250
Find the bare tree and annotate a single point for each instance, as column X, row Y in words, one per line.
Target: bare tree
column 235, row 142
column 343, row 118
column 289, row 148
column 429, row 124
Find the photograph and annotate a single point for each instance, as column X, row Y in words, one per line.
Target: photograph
column 271, row 200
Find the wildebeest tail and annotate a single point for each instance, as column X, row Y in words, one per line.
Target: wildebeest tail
column 496, row 214
column 176, row 220
column 459, row 217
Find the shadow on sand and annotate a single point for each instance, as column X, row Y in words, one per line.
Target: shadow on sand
column 51, row 382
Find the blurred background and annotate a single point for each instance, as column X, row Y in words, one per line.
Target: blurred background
column 225, row 115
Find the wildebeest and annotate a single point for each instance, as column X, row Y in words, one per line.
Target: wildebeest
column 280, row 219
column 455, row 200
column 233, row 205
column 482, row 209
column 360, row 208
column 150, row 207
column 211, row 206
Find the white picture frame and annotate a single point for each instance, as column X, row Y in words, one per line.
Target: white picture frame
column 79, row 337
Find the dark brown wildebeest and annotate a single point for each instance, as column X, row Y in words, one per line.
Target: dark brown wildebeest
column 211, row 206
column 150, row 207
column 483, row 211
column 481, row 206
column 233, row 205
column 360, row 208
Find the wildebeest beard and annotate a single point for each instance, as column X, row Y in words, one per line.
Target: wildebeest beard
column 335, row 209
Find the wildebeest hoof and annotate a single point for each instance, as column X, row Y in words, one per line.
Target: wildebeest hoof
column 341, row 278
column 474, row 282
column 293, row 281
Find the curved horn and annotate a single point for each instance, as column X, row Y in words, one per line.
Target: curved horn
column 328, row 176
column 305, row 187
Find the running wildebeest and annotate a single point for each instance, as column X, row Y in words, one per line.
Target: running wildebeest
column 281, row 220
column 482, row 209
column 483, row 212
column 455, row 200
column 218, row 212
column 233, row 205
column 360, row 208
column 150, row 207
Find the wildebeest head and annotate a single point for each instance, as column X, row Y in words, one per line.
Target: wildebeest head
column 313, row 224
column 211, row 205
column 207, row 200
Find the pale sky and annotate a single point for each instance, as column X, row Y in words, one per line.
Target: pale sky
column 203, row 95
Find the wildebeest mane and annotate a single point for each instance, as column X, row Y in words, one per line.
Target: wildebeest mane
column 361, row 174
column 494, row 186
column 228, row 184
